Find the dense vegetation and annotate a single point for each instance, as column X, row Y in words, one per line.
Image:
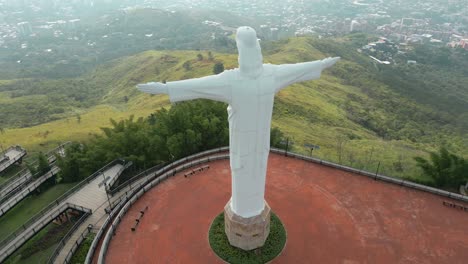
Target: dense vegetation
column 166, row 135
column 80, row 254
column 361, row 114
column 446, row 169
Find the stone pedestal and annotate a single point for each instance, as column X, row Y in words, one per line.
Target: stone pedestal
column 247, row 233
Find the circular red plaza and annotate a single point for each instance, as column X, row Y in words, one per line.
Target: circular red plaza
column 330, row 216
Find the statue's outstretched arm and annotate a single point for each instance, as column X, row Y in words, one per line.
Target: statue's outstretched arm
column 214, row 87
column 287, row 74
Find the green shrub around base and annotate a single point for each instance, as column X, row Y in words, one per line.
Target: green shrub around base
column 273, row 245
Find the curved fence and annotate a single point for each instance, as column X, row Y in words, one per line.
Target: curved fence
column 151, row 174
column 64, row 240
column 157, row 169
column 57, row 202
column 25, row 234
column 97, row 238
column 143, row 187
column 375, row 176
column 155, row 177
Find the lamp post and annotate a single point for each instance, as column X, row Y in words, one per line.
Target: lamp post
column 107, row 194
column 311, row 147
column 286, row 142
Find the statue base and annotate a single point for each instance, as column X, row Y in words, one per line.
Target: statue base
column 247, row 233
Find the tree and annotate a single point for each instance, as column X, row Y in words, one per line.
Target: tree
column 218, row 68
column 445, row 168
column 71, row 166
column 187, row 65
column 276, row 137
column 340, row 143
column 42, row 165
column 199, row 57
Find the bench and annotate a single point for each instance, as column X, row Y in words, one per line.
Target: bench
column 455, row 205
column 202, row 168
column 137, row 220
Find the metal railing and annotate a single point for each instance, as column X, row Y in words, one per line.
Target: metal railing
column 138, row 190
column 135, row 178
column 9, row 162
column 97, row 238
column 76, row 245
column 376, row 176
column 157, row 169
column 154, row 178
column 24, row 175
column 57, row 202
column 16, row 198
column 64, row 240
column 14, row 182
column 26, row 234
column 112, row 181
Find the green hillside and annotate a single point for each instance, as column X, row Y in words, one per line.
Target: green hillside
column 357, row 115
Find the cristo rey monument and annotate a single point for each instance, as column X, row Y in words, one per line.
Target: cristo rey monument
column 249, row 90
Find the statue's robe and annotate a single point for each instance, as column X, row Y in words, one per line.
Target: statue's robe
column 250, row 110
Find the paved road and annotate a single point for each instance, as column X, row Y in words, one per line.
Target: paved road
column 91, row 196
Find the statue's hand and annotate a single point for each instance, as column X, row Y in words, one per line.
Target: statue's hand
column 328, row 62
column 153, row 88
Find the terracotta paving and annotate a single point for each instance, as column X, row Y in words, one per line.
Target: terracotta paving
column 330, row 216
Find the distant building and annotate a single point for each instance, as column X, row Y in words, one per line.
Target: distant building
column 274, row 33
column 354, row 26
column 464, row 44
column 265, row 31
column 25, row 28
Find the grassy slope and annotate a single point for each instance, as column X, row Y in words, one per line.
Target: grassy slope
column 310, row 112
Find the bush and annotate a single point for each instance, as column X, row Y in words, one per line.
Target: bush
column 218, row 68
column 273, row 245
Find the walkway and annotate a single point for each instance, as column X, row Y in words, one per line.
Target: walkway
column 11, row 155
column 25, row 175
column 331, row 216
column 26, row 190
column 91, row 196
column 21, row 178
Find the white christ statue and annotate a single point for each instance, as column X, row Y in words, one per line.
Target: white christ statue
column 249, row 90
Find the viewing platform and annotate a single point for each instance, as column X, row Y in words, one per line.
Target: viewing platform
column 331, row 214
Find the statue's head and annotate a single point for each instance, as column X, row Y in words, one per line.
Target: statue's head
column 250, row 54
